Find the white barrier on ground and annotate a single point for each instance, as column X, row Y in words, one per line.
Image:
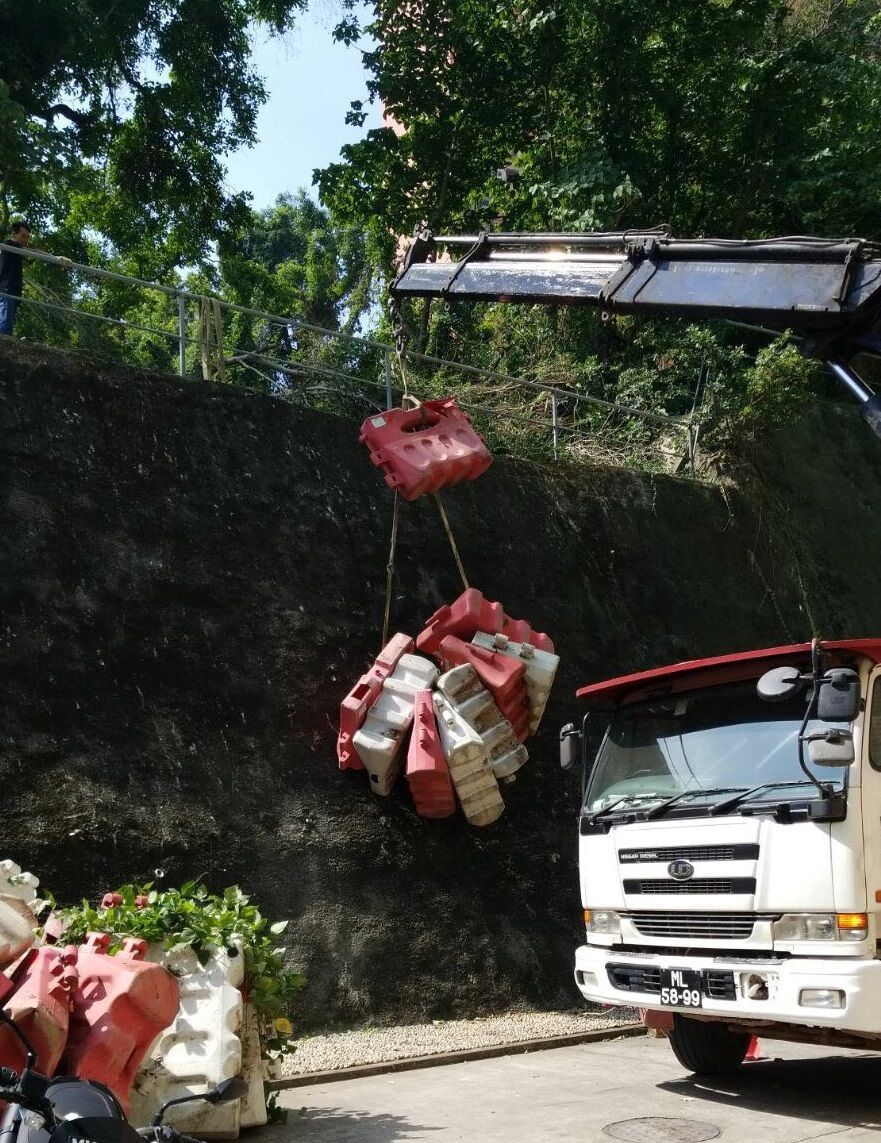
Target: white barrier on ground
column 201, row 1048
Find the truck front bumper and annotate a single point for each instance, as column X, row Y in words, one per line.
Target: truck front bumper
column 734, row 988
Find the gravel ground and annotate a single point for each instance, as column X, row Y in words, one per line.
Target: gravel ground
column 374, row 1045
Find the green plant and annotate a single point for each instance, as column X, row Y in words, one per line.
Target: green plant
column 191, row 916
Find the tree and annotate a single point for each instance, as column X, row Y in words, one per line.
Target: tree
column 722, row 117
column 115, row 115
column 291, row 261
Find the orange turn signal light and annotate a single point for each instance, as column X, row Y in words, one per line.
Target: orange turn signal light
column 853, row 920
column 586, row 915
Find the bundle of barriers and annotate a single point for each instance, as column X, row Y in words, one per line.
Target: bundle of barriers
column 482, row 692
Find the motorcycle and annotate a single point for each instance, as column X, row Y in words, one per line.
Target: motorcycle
column 67, row 1109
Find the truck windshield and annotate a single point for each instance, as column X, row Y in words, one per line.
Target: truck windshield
column 712, row 743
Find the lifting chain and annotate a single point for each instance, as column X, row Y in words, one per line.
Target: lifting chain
column 399, row 334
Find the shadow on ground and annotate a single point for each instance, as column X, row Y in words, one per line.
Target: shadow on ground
column 834, row 1089
column 333, row 1124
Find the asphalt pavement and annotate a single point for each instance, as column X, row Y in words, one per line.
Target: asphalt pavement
column 630, row 1089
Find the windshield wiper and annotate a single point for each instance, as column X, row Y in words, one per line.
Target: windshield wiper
column 730, row 803
column 595, row 817
column 660, row 810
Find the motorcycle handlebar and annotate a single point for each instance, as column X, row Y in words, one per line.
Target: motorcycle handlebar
column 11, row 1094
column 165, row 1134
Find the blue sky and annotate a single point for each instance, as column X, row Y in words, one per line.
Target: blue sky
column 311, row 82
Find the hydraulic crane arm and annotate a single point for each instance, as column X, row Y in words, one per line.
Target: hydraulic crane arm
column 827, row 292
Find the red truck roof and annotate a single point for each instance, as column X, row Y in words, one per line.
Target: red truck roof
column 722, row 668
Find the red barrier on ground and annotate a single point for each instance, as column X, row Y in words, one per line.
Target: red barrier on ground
column 426, row 448
column 121, row 1004
column 428, row 775
column 503, row 677
column 354, row 707
column 471, row 613
column 39, row 999
column 661, row 1021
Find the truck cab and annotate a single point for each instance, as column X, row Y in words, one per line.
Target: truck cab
column 730, row 848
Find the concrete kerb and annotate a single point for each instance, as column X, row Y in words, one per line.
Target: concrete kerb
column 519, row 1047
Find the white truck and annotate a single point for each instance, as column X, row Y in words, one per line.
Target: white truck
column 730, row 848
column 731, row 819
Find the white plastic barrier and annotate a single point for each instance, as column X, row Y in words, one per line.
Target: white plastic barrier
column 540, row 666
column 16, row 929
column 14, row 883
column 462, row 688
column 378, row 743
column 476, row 785
column 19, row 906
column 253, row 1105
column 201, row 1048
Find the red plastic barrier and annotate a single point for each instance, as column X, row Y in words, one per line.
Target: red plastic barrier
column 503, row 677
column 471, row 613
column 425, row 449
column 500, row 674
column 39, row 1002
column 661, row 1021
column 753, row 1051
column 428, row 775
column 519, row 631
column 121, row 1004
column 354, row 707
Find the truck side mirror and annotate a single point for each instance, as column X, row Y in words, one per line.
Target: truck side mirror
column 570, row 746
column 779, row 683
column 830, row 747
column 839, row 698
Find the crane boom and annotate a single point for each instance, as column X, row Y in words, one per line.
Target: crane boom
column 825, row 291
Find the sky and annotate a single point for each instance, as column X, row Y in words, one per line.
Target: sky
column 311, row 81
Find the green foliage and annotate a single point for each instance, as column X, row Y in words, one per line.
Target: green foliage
column 739, row 118
column 778, row 382
column 192, row 916
column 115, row 115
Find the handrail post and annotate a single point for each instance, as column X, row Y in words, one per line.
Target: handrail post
column 182, row 335
column 387, row 369
column 554, row 421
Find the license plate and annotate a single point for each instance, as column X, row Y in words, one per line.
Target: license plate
column 680, row 988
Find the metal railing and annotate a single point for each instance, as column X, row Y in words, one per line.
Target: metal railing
column 677, row 453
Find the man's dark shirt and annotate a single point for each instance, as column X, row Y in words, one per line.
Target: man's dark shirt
column 11, row 270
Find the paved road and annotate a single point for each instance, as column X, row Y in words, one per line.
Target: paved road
column 797, row 1093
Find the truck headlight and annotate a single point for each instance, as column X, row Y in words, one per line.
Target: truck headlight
column 604, row 921
column 821, row 927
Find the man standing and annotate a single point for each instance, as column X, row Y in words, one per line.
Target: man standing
column 11, row 275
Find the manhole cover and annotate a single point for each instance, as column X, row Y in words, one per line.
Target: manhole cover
column 658, row 1129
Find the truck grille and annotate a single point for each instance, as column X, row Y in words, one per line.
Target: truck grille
column 634, row 978
column 698, row 885
column 694, row 926
column 719, row 985
column 690, row 853
column 715, row 985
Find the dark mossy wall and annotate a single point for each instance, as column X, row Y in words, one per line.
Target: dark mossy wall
column 193, row 577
